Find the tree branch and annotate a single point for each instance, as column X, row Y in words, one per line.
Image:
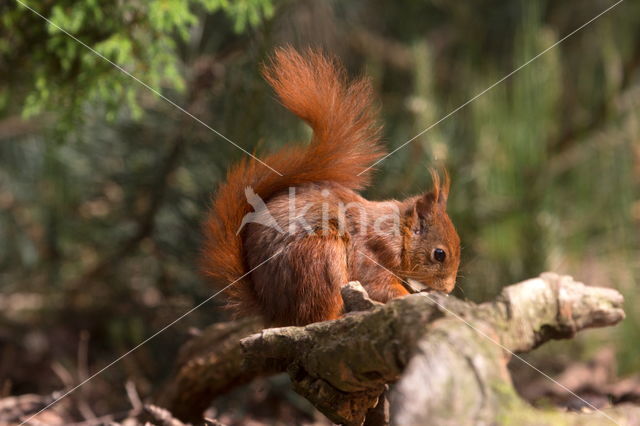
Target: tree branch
column 448, row 356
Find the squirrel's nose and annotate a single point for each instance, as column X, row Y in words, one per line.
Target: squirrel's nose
column 449, row 283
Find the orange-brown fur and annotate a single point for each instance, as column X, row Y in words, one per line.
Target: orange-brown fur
column 301, row 283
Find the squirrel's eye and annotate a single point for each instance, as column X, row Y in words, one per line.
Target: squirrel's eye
column 439, row 255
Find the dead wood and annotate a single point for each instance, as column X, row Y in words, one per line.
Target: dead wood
column 446, row 357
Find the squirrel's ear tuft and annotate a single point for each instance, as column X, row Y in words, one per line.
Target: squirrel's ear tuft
column 440, row 189
column 444, row 190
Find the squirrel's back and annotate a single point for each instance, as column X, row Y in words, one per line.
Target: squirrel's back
column 345, row 143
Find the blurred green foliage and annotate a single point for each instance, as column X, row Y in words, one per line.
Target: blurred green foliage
column 140, row 36
column 99, row 216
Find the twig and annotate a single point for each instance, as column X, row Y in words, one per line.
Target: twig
column 134, row 398
column 162, row 415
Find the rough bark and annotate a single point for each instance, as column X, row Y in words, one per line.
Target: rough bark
column 207, row 366
column 447, row 356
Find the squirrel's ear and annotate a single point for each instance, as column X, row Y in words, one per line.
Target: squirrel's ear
column 440, row 189
column 425, row 204
column 437, row 197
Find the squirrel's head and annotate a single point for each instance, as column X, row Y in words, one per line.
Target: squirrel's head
column 431, row 246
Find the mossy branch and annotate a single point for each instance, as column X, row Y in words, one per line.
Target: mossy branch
column 447, row 357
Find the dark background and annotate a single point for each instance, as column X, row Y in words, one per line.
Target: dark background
column 103, row 185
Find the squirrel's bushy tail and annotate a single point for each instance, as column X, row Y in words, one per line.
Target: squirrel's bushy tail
column 345, row 143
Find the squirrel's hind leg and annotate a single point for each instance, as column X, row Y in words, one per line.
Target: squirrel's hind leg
column 302, row 284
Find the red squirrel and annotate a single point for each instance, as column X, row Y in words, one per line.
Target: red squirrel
column 289, row 267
